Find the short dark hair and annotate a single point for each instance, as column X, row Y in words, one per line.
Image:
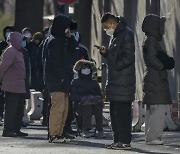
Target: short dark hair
column 25, row 29
column 108, row 17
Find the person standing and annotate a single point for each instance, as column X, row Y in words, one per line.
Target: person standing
column 3, row 45
column 12, row 77
column 120, row 88
column 57, row 77
column 156, row 86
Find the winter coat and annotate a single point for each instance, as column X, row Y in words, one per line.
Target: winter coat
column 156, row 86
column 4, row 44
column 32, row 49
column 12, row 67
column 121, row 65
column 27, row 79
column 56, row 61
column 84, row 86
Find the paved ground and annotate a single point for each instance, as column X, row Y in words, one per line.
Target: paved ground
column 36, row 143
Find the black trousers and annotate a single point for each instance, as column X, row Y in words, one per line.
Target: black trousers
column 1, row 103
column 87, row 112
column 70, row 117
column 121, row 121
column 14, row 110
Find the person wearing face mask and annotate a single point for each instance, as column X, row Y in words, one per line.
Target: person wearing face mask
column 56, row 77
column 27, row 34
column 32, row 49
column 12, row 77
column 120, row 88
column 3, row 45
column 86, row 94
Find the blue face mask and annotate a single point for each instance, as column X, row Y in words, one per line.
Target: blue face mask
column 23, row 43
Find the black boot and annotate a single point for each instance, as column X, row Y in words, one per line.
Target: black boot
column 9, row 134
column 19, row 133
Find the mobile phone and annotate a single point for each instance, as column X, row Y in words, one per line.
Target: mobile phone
column 97, row 46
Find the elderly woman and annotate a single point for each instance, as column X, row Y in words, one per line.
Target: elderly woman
column 12, row 78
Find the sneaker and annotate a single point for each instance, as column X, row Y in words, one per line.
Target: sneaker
column 56, row 139
column 121, row 146
column 9, row 134
column 1, row 121
column 19, row 133
column 101, row 134
column 110, row 145
column 86, row 134
column 154, row 142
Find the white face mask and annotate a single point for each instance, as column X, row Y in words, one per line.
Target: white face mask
column 27, row 34
column 109, row 32
column 86, row 71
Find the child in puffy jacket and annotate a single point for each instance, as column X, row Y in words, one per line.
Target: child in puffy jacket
column 86, row 94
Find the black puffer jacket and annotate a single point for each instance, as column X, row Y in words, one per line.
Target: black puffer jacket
column 56, row 65
column 121, row 65
column 84, row 86
column 156, row 87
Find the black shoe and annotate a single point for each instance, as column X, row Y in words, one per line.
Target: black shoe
column 19, row 133
column 9, row 134
column 72, row 132
column 68, row 136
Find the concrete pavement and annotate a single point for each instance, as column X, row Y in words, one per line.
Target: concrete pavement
column 36, row 143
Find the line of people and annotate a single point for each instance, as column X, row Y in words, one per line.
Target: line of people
column 58, row 65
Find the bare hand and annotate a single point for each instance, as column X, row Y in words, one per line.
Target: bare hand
column 102, row 49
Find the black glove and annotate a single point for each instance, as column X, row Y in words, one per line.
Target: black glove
column 167, row 61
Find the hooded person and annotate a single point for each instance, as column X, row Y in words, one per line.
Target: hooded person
column 3, row 45
column 86, row 94
column 12, row 77
column 57, row 77
column 156, row 87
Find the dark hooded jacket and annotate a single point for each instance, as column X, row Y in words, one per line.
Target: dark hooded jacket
column 156, row 87
column 84, row 86
column 56, row 62
column 121, row 65
column 4, row 44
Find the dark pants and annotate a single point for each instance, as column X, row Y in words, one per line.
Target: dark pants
column 14, row 109
column 1, row 103
column 46, row 106
column 70, row 118
column 120, row 113
column 87, row 112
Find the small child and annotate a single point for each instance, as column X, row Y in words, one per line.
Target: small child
column 86, row 94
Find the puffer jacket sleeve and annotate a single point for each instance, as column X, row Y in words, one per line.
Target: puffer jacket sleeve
column 6, row 61
column 152, row 59
column 127, row 57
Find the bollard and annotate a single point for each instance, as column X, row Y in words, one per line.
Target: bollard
column 36, row 106
column 138, row 116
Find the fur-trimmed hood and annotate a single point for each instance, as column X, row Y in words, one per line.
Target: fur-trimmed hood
column 78, row 65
